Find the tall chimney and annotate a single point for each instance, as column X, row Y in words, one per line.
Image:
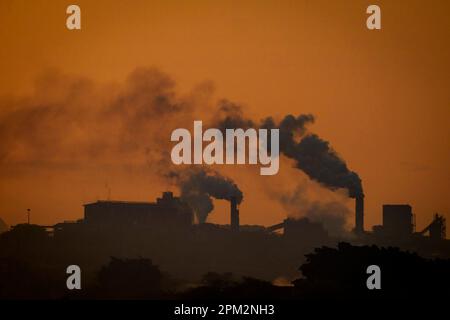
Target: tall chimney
column 359, row 214
column 234, row 223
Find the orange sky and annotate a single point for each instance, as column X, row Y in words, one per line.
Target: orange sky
column 380, row 97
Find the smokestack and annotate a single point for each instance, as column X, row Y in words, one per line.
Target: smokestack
column 359, row 214
column 198, row 187
column 234, row 223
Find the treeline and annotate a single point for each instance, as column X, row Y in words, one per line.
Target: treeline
column 26, row 272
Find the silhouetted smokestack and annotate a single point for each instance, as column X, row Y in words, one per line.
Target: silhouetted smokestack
column 234, row 224
column 198, row 187
column 359, row 214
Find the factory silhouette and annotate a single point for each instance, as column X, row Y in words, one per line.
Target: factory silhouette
column 170, row 219
column 125, row 248
column 172, row 213
column 150, row 240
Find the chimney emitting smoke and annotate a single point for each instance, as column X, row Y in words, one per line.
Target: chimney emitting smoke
column 234, row 214
column 359, row 214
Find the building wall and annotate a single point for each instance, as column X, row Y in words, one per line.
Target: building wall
column 398, row 219
column 167, row 210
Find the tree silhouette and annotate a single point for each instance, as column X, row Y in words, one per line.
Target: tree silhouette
column 129, row 279
column 341, row 272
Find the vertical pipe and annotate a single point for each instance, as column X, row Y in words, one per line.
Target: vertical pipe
column 234, row 215
column 359, row 214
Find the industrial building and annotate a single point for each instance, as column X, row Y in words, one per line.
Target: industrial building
column 300, row 229
column 398, row 220
column 399, row 224
column 168, row 210
column 436, row 228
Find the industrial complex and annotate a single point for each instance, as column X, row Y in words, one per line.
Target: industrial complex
column 170, row 212
column 166, row 231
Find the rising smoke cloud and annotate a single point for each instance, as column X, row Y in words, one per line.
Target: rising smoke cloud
column 72, row 120
column 331, row 213
column 198, row 185
column 313, row 155
column 321, row 163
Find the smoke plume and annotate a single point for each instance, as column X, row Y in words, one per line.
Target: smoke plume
column 332, row 214
column 198, row 186
column 320, row 162
column 313, row 155
column 71, row 120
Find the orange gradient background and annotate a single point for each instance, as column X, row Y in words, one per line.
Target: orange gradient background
column 381, row 98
